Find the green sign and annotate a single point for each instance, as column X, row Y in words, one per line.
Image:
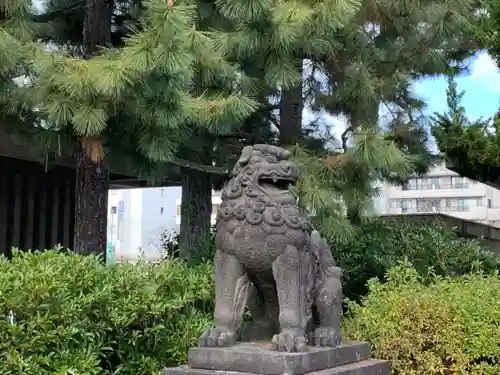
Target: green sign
column 110, row 254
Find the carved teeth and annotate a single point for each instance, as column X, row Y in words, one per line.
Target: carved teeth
column 275, row 178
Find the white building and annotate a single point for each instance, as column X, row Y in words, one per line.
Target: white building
column 137, row 218
column 443, row 191
column 216, row 200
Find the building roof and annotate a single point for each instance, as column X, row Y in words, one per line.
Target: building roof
column 120, row 178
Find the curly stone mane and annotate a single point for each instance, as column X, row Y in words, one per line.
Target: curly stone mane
column 258, row 190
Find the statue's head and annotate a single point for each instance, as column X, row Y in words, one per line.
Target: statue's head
column 268, row 165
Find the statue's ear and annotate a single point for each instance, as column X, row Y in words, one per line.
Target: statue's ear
column 285, row 154
column 245, row 155
column 243, row 160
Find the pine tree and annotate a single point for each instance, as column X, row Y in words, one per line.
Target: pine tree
column 365, row 66
column 142, row 94
column 256, row 39
column 386, row 47
column 369, row 59
column 472, row 147
column 15, row 31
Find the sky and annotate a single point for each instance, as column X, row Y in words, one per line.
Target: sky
column 481, row 98
column 481, row 86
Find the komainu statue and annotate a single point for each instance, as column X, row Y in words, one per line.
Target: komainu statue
column 269, row 260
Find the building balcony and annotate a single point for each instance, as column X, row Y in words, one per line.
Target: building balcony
column 466, row 213
column 472, row 190
column 440, row 186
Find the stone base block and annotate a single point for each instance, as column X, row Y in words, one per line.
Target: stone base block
column 258, row 358
column 366, row 367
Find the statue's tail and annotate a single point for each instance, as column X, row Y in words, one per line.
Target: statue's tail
column 328, row 267
column 320, row 247
column 315, row 238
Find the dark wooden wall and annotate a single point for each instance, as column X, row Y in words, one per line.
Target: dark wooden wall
column 36, row 206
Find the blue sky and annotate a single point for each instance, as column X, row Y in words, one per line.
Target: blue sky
column 481, row 86
column 481, row 98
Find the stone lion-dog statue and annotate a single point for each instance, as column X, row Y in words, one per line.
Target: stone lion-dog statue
column 270, row 260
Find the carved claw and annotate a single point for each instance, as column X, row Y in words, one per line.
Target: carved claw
column 326, row 336
column 212, row 337
column 289, row 342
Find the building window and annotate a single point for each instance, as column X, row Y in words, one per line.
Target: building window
column 435, row 183
column 462, row 205
column 420, row 184
column 178, row 210
column 448, row 204
column 428, row 205
column 490, row 205
column 406, row 205
column 459, row 183
column 161, row 211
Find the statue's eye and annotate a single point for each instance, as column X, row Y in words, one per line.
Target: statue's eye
column 256, row 159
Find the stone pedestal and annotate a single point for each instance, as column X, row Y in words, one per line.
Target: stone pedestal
column 350, row 358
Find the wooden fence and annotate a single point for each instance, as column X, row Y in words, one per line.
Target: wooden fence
column 36, row 205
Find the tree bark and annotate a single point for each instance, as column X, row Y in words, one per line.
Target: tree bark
column 91, row 200
column 291, row 106
column 91, row 205
column 196, row 210
column 96, row 25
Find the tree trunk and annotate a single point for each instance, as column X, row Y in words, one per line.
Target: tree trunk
column 291, row 106
column 366, row 115
column 96, row 25
column 91, row 200
column 91, row 205
column 196, row 209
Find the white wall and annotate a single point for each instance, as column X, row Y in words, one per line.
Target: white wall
column 145, row 215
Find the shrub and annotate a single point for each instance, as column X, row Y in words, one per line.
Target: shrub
column 449, row 326
column 432, row 247
column 66, row 313
column 169, row 243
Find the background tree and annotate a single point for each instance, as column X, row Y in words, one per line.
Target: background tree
column 368, row 63
column 387, row 47
column 471, row 147
column 134, row 100
column 261, row 38
column 15, row 30
column 369, row 56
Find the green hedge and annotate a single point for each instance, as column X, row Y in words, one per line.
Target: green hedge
column 432, row 247
column 73, row 314
column 447, row 326
column 380, row 244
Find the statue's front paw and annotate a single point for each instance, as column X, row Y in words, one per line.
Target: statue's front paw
column 216, row 338
column 326, row 336
column 289, row 342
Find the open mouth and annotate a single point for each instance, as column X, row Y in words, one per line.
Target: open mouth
column 276, row 183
